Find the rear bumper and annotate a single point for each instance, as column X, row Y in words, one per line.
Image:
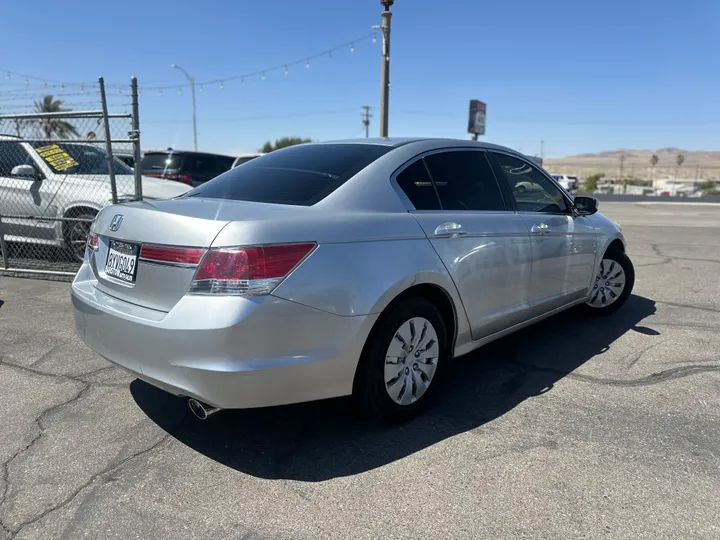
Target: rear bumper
column 230, row 352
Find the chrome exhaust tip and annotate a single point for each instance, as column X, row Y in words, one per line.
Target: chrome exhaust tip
column 200, row 409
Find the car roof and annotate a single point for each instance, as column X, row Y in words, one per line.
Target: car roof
column 177, row 152
column 438, row 142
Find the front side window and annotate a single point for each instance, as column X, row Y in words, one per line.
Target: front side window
column 531, row 189
column 465, row 181
column 13, row 154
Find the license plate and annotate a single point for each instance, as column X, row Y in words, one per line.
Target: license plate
column 122, row 261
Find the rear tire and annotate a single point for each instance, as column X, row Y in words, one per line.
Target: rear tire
column 613, row 283
column 402, row 362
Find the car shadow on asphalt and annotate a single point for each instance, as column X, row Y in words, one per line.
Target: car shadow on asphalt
column 328, row 439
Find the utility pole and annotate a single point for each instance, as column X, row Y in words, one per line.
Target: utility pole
column 542, row 150
column 622, row 164
column 191, row 80
column 366, row 120
column 385, row 73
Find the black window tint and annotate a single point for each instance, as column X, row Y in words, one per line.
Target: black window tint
column 223, row 164
column 13, row 154
column 156, row 162
column 464, row 181
column 415, row 182
column 532, row 190
column 300, row 175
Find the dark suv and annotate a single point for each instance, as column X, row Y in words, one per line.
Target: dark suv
column 192, row 168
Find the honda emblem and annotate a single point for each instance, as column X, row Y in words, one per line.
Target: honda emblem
column 116, row 222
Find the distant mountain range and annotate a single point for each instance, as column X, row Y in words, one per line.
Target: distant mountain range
column 701, row 164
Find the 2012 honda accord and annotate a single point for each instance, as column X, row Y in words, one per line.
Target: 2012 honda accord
column 327, row 269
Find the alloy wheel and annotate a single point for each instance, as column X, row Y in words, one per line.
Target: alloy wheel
column 77, row 239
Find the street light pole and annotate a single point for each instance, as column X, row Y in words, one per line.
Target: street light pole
column 385, row 73
column 191, row 80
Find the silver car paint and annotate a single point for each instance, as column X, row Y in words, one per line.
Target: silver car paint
column 372, row 247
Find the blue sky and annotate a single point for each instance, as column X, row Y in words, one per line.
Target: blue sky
column 582, row 76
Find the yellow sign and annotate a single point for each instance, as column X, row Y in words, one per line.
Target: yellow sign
column 56, row 157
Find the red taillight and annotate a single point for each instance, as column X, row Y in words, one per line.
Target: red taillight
column 184, row 178
column 171, row 255
column 92, row 241
column 248, row 270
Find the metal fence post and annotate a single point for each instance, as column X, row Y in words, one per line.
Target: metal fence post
column 3, row 246
column 108, row 139
column 135, row 136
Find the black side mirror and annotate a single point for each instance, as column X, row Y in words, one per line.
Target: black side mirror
column 585, row 206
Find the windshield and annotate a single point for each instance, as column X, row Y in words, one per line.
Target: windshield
column 72, row 158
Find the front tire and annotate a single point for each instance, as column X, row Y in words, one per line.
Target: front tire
column 399, row 369
column 76, row 233
column 613, row 283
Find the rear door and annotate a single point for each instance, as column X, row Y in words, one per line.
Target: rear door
column 563, row 245
column 484, row 246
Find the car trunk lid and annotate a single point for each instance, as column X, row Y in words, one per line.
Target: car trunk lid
column 127, row 262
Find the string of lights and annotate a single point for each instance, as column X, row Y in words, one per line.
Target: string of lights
column 23, row 90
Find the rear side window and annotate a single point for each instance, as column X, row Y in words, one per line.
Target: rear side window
column 300, row 175
column 417, row 185
column 465, row 181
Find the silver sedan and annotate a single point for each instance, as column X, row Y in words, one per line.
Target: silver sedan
column 328, row 269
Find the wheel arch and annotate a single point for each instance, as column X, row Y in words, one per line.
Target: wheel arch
column 447, row 303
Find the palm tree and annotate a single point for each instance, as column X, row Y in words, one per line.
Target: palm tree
column 54, row 126
column 653, row 161
column 680, row 159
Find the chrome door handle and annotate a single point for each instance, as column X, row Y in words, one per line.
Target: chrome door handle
column 540, row 228
column 450, row 230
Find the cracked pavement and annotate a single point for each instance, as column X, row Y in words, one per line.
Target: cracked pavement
column 576, row 427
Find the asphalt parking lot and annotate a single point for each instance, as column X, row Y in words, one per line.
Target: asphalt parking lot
column 575, row 428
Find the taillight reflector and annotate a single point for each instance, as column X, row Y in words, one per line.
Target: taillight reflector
column 248, row 270
column 171, row 255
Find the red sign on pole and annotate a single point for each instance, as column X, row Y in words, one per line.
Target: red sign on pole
column 476, row 122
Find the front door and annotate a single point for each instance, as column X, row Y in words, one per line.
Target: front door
column 23, row 199
column 564, row 246
column 484, row 246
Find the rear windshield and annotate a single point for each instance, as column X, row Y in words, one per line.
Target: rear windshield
column 300, row 175
column 160, row 162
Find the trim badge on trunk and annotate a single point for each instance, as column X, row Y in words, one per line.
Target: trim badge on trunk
column 116, row 222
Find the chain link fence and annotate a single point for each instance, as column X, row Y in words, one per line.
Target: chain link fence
column 57, row 171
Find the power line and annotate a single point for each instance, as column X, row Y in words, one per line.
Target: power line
column 245, row 118
column 350, row 46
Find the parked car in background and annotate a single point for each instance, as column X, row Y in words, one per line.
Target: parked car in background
column 191, row 168
column 569, row 183
column 354, row 267
column 128, row 158
column 62, row 179
column 244, row 158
